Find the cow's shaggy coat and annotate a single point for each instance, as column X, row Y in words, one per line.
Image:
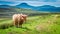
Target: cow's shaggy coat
column 19, row 19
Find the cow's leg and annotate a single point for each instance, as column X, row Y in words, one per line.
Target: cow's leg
column 18, row 23
column 25, row 20
column 21, row 22
column 14, row 23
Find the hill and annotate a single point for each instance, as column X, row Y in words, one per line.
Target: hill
column 49, row 24
column 48, row 8
column 39, row 8
column 24, row 5
column 8, row 12
column 44, row 8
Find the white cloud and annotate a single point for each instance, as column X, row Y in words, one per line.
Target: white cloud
column 36, row 3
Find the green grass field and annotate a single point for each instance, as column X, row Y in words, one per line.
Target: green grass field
column 48, row 24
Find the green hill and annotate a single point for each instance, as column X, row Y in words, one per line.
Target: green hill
column 34, row 25
column 8, row 12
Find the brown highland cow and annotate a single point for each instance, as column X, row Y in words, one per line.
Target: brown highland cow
column 19, row 19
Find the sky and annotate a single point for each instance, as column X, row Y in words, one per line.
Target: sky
column 31, row 2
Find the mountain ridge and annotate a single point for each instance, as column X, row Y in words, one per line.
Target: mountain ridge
column 38, row 8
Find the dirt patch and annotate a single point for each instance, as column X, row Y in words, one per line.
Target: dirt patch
column 42, row 26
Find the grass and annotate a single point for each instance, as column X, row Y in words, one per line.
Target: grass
column 33, row 25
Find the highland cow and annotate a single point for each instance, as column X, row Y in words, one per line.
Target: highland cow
column 19, row 19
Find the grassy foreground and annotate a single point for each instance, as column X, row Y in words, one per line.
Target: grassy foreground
column 48, row 24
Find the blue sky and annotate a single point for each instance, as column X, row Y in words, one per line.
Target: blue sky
column 31, row 2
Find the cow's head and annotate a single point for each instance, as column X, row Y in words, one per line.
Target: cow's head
column 24, row 16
